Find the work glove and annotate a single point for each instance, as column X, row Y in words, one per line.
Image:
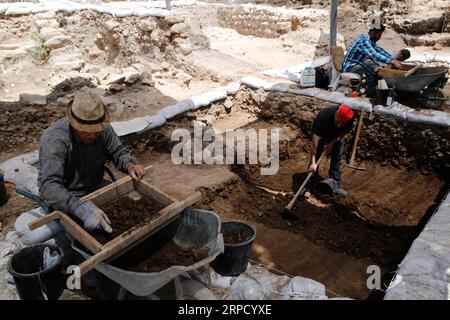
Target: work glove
column 93, row 217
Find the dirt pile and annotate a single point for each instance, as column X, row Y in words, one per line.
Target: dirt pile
column 125, row 213
column 23, row 129
column 158, row 253
column 170, row 255
column 234, row 237
column 334, row 226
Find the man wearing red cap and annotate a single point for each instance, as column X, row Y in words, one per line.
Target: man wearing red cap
column 329, row 129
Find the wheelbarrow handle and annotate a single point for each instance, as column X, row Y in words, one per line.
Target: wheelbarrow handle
column 412, row 71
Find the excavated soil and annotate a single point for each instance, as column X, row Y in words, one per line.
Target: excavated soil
column 159, row 253
column 386, row 209
column 23, row 129
column 234, row 237
column 125, row 213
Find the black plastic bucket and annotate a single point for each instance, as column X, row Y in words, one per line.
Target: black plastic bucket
column 385, row 97
column 32, row 282
column 327, row 187
column 3, row 194
column 234, row 260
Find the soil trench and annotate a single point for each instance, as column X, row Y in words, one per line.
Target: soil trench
column 374, row 225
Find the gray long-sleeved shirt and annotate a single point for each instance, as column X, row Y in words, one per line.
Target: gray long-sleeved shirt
column 67, row 165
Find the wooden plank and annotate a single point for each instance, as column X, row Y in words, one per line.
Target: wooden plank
column 152, row 192
column 111, row 192
column 384, row 72
column 123, row 241
column 134, row 244
column 80, row 234
column 115, row 190
column 44, row 220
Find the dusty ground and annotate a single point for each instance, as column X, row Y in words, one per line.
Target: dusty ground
column 335, row 239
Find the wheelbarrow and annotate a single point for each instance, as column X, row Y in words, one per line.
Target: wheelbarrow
column 422, row 86
column 422, row 78
column 192, row 229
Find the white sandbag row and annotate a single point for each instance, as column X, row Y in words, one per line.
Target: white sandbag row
column 397, row 110
column 293, row 73
column 429, row 58
column 424, row 273
column 139, row 125
column 124, row 10
column 423, row 116
column 123, row 128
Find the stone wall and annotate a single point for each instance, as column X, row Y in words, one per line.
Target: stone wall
column 256, row 22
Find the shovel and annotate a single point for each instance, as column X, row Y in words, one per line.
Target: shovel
column 351, row 164
column 288, row 208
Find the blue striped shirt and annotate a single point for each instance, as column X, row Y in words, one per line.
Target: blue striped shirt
column 364, row 48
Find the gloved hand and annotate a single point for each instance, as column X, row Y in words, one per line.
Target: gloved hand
column 92, row 217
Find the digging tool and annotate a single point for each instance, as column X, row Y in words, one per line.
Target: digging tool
column 351, row 164
column 288, row 208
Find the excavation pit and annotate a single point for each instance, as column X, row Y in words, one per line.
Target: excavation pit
column 334, row 240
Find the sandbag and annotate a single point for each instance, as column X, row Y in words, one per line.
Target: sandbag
column 29, row 237
column 216, row 94
column 126, row 127
column 154, row 122
column 176, row 109
column 200, row 101
column 257, row 283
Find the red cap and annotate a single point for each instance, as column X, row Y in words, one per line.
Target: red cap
column 344, row 114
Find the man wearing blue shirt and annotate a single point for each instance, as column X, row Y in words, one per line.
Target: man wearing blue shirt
column 365, row 55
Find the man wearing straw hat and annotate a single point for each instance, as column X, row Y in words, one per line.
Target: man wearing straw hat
column 72, row 156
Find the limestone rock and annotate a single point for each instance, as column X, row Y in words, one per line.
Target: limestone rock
column 58, row 42
column 165, row 66
column 179, row 28
column 115, row 87
column 147, row 25
column 74, row 65
column 171, row 20
column 157, row 38
column 183, row 46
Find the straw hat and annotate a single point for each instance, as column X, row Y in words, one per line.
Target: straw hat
column 87, row 113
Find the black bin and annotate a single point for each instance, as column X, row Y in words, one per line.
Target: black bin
column 32, row 281
column 234, row 260
column 3, row 194
column 382, row 96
